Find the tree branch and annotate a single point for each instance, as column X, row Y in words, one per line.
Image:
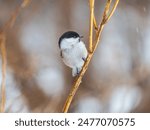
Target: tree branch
column 91, row 24
column 113, row 10
column 9, row 24
column 3, row 54
column 77, row 82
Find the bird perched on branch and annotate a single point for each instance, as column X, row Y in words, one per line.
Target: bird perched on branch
column 73, row 51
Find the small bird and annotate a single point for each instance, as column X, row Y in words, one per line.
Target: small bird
column 73, row 51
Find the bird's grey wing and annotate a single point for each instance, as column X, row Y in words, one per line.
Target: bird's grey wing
column 61, row 54
column 84, row 53
column 84, row 58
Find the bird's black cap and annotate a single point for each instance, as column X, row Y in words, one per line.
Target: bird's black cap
column 68, row 34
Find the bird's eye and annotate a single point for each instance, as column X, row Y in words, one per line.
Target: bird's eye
column 74, row 36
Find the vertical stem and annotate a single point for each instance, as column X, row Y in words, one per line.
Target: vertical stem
column 3, row 54
column 9, row 24
column 91, row 24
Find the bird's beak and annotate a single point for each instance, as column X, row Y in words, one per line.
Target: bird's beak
column 81, row 36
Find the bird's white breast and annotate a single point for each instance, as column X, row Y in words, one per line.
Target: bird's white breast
column 72, row 57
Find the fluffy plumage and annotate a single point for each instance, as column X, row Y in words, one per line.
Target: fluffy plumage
column 73, row 51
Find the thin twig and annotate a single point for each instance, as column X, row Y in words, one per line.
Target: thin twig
column 3, row 54
column 106, row 11
column 105, row 18
column 90, row 55
column 9, row 24
column 113, row 9
column 91, row 24
column 95, row 24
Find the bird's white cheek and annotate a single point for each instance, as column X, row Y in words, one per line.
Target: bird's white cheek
column 69, row 43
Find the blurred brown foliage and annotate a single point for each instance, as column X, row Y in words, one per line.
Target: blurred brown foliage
column 117, row 80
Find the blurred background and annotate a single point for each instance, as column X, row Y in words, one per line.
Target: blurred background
column 118, row 77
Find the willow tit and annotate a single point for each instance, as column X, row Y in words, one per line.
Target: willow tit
column 73, row 51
